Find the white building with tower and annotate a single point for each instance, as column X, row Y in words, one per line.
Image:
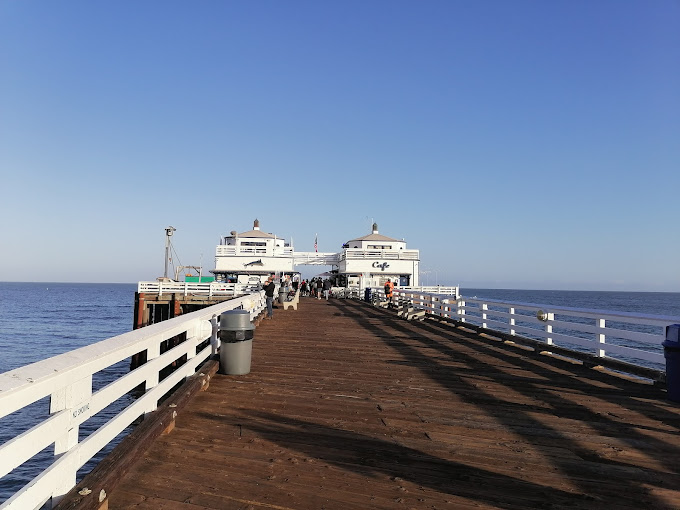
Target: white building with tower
column 250, row 257
column 370, row 260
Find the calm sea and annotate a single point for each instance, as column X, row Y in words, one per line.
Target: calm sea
column 655, row 303
column 40, row 320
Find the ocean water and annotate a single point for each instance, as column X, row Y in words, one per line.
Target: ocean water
column 656, row 303
column 40, row 320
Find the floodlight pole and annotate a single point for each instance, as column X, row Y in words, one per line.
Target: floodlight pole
column 168, row 234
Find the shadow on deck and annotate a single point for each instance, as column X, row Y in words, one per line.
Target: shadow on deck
column 348, row 406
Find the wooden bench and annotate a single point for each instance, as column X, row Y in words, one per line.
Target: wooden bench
column 378, row 299
column 293, row 302
column 409, row 312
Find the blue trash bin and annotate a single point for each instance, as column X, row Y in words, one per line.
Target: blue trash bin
column 671, row 351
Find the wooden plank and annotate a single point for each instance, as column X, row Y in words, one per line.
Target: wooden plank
column 349, row 406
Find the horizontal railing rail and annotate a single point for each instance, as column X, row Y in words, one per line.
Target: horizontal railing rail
column 227, row 251
column 380, row 254
column 437, row 290
column 614, row 338
column 67, row 380
column 316, row 258
column 185, row 288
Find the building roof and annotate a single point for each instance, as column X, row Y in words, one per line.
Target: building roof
column 256, row 233
column 374, row 237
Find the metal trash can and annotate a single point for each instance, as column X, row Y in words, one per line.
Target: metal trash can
column 236, row 342
column 671, row 351
column 367, row 294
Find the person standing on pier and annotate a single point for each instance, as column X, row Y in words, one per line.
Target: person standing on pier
column 269, row 288
column 326, row 288
column 389, row 287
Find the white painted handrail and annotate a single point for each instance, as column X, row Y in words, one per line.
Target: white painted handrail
column 186, row 288
column 633, row 338
column 67, row 380
column 379, row 254
column 431, row 289
column 598, row 332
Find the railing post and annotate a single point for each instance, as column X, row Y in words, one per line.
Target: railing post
column 512, row 320
column 75, row 399
column 461, row 310
column 194, row 333
column 483, row 307
column 151, row 381
column 600, row 324
column 548, row 328
column 214, row 341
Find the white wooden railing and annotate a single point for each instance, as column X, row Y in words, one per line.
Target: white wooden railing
column 229, row 251
column 67, row 381
column 311, row 258
column 437, row 290
column 633, row 338
column 628, row 336
column 353, row 253
column 202, row 289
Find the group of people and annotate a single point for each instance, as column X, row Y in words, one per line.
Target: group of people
column 316, row 287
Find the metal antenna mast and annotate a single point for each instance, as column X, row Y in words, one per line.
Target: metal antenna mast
column 168, row 234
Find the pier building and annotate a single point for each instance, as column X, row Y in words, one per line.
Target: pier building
column 370, row 260
column 366, row 261
column 249, row 257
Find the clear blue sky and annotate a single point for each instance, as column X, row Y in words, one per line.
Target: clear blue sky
column 519, row 144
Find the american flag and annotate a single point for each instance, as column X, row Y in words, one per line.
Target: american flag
column 316, row 242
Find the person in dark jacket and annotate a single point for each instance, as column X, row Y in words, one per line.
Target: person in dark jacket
column 269, row 288
column 326, row 288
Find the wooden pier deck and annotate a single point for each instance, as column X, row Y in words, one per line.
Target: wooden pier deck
column 350, row 407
